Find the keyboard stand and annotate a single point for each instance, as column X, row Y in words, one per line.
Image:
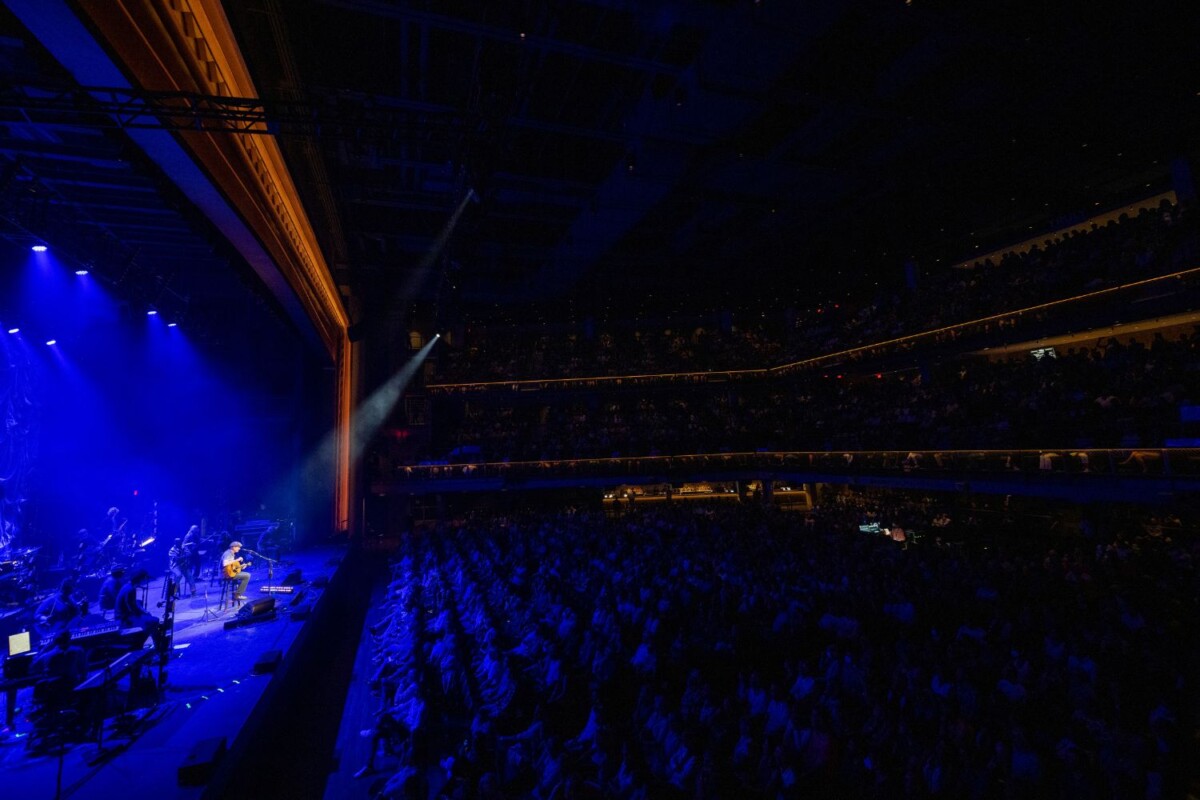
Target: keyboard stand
column 103, row 680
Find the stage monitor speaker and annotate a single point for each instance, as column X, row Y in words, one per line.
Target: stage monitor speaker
column 198, row 767
column 257, row 607
column 294, row 577
column 267, row 662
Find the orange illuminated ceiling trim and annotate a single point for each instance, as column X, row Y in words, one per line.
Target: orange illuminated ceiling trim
column 815, row 360
column 189, row 46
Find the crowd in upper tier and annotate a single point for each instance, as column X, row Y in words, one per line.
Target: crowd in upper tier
column 698, row 653
column 1116, row 394
column 1154, row 242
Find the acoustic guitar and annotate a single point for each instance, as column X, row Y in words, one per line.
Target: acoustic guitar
column 234, row 567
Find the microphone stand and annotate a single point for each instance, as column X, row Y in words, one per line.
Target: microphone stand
column 270, row 588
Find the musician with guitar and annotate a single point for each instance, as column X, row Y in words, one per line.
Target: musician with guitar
column 60, row 611
column 232, row 566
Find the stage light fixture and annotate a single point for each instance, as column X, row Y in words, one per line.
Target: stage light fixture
column 152, row 313
column 172, row 324
column 38, row 248
column 51, row 342
column 81, row 272
column 14, row 330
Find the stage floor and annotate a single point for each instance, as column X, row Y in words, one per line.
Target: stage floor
column 209, row 692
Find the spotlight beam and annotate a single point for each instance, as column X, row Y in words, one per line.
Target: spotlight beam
column 368, row 418
column 418, row 275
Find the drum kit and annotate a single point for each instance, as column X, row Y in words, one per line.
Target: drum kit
column 17, row 575
column 120, row 548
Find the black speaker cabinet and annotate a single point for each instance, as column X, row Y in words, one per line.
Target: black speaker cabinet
column 257, row 607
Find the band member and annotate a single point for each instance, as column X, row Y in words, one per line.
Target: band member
column 111, row 588
column 64, row 666
column 115, row 525
column 131, row 614
column 181, row 568
column 232, row 566
column 86, row 551
column 63, row 660
column 60, row 611
column 193, row 542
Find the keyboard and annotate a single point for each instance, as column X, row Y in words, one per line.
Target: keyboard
column 109, row 633
column 86, row 633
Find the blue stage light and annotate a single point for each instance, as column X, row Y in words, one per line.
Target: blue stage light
column 38, row 248
column 152, row 313
column 81, row 272
column 51, row 342
column 172, row 324
column 14, row 330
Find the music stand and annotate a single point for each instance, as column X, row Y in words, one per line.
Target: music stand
column 19, row 643
column 209, row 614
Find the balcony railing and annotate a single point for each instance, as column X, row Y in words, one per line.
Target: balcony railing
column 1127, row 462
column 925, row 338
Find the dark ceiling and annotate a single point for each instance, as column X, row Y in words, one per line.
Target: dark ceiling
column 614, row 157
column 637, row 154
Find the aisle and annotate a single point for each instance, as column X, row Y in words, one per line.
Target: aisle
column 358, row 715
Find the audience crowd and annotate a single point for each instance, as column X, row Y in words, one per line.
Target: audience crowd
column 1115, row 394
column 697, row 652
column 1154, row 242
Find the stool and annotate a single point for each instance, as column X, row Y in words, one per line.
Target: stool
column 228, row 592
